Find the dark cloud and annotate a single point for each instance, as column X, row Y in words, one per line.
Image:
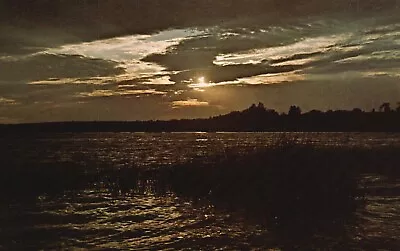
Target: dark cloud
column 119, row 16
column 16, row 40
column 49, row 66
column 179, row 60
column 358, row 65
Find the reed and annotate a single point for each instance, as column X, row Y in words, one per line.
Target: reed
column 283, row 183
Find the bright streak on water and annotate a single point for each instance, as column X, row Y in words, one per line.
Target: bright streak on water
column 99, row 219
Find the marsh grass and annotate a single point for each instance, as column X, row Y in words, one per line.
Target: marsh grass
column 295, row 190
column 287, row 184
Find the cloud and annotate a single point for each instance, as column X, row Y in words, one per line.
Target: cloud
column 41, row 67
column 117, row 11
column 162, row 80
column 274, row 78
column 111, row 60
column 111, row 93
column 62, row 81
column 189, row 102
column 228, row 54
column 340, row 58
column 361, row 53
column 8, row 101
column 20, row 40
column 309, row 46
column 216, row 74
column 128, row 51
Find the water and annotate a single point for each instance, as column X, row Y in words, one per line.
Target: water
column 100, row 219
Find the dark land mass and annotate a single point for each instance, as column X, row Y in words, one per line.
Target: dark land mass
column 256, row 118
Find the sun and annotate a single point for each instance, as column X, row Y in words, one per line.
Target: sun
column 201, row 81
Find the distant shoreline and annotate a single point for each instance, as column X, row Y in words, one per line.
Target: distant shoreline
column 253, row 119
column 120, row 126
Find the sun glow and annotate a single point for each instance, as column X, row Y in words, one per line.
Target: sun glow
column 201, row 82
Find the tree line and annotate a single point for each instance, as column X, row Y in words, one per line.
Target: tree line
column 254, row 118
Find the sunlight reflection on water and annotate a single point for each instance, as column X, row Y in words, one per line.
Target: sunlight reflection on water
column 98, row 219
column 101, row 220
column 144, row 149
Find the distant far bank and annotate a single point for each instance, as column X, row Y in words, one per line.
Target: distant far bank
column 256, row 118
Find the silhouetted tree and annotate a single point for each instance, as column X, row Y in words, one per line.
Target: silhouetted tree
column 385, row 107
column 252, row 107
column 254, row 118
column 294, row 111
column 272, row 112
column 261, row 106
column 315, row 112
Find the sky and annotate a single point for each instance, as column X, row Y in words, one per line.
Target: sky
column 86, row 60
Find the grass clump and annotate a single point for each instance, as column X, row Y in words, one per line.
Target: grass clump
column 285, row 184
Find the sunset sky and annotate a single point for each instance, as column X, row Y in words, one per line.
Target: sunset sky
column 63, row 60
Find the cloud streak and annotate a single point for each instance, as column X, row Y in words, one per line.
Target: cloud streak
column 111, row 93
column 8, row 101
column 189, row 102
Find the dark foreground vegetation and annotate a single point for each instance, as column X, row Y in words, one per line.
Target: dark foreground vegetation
column 255, row 118
column 290, row 188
